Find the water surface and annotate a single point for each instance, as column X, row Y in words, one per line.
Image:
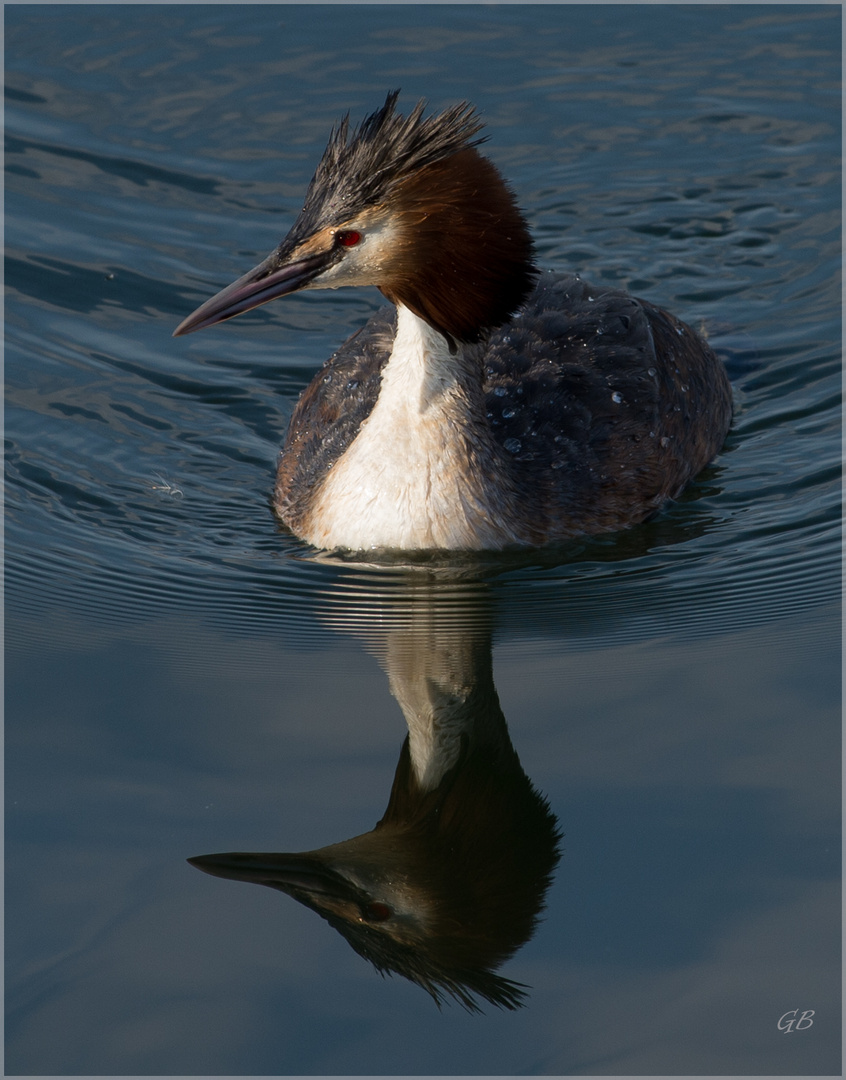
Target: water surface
column 182, row 677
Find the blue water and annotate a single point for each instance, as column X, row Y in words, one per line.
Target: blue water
column 182, row 677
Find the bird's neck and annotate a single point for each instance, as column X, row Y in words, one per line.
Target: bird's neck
column 424, row 378
column 423, row 471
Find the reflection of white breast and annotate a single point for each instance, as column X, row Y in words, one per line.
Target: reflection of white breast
column 414, row 477
column 432, row 677
column 434, row 745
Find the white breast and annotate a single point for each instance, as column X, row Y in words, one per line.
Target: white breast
column 419, row 474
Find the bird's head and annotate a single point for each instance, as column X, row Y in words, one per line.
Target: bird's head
column 408, row 204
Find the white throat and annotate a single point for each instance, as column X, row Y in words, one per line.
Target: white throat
column 422, row 471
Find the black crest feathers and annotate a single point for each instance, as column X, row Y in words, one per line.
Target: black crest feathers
column 360, row 168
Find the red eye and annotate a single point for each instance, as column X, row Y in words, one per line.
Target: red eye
column 347, row 237
column 377, row 912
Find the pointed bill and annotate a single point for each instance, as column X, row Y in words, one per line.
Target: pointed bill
column 280, row 871
column 263, row 283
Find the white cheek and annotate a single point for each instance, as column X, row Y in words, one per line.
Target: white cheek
column 364, row 264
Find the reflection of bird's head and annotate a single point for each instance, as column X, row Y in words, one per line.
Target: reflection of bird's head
column 445, row 888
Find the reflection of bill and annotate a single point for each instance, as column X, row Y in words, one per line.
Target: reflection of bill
column 792, row 1021
column 450, row 883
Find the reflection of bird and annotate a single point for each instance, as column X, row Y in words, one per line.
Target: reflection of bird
column 498, row 407
column 450, row 882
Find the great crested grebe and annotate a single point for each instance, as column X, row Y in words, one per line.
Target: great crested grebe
column 498, row 406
